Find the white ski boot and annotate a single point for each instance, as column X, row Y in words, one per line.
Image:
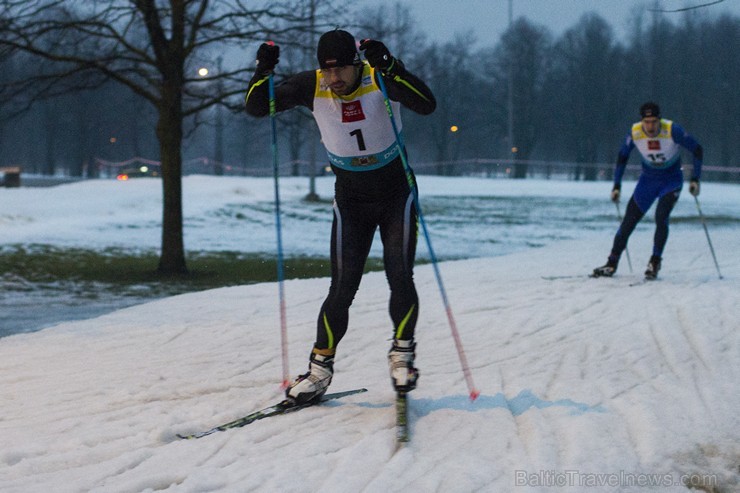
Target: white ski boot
column 401, row 364
column 312, row 386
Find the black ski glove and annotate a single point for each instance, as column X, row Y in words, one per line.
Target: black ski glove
column 377, row 55
column 268, row 55
column 694, row 187
column 616, row 193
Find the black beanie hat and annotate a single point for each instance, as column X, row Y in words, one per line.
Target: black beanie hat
column 336, row 49
column 649, row 109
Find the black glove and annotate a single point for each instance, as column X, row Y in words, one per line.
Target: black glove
column 615, row 193
column 377, row 55
column 268, row 56
column 694, row 187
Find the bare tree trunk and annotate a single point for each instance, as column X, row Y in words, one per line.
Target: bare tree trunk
column 169, row 133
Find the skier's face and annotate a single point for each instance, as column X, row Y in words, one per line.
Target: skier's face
column 341, row 80
column 651, row 126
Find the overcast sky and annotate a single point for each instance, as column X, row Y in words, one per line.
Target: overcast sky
column 488, row 19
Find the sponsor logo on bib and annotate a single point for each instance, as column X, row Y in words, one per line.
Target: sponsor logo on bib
column 364, row 160
column 352, row 112
column 654, row 145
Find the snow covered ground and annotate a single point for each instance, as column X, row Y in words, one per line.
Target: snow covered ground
column 586, row 384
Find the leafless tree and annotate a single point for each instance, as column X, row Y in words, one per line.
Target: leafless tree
column 153, row 48
column 523, row 55
column 584, row 61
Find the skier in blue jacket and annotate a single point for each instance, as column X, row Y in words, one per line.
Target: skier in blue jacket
column 659, row 142
column 371, row 190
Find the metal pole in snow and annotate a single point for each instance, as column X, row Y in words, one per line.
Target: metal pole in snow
column 280, row 270
column 626, row 250
column 706, row 231
column 473, row 392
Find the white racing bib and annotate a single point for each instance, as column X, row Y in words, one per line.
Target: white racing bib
column 657, row 152
column 356, row 129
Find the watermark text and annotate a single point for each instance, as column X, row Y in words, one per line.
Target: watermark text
column 621, row 479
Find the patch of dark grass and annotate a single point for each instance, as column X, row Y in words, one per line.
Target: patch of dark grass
column 127, row 272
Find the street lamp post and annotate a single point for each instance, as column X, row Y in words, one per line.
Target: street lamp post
column 512, row 148
column 218, row 151
column 218, row 169
column 455, row 148
column 312, row 195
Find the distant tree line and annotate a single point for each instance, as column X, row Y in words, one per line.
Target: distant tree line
column 574, row 97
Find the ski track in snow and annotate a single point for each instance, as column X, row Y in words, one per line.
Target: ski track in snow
column 587, row 375
column 199, row 370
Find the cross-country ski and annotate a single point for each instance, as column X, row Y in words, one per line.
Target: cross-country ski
column 402, row 418
column 282, row 407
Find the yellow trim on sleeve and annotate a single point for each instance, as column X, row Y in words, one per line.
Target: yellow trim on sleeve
column 401, row 81
column 258, row 83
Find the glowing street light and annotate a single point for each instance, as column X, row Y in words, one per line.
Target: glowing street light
column 202, row 71
column 454, row 128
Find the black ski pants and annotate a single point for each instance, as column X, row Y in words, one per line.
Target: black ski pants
column 633, row 215
column 353, row 229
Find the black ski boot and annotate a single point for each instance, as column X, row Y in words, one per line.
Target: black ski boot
column 606, row 270
column 653, row 267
